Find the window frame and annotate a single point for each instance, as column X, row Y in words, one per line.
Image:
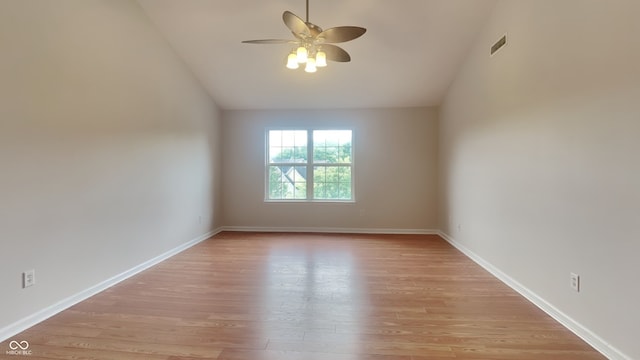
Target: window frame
column 310, row 164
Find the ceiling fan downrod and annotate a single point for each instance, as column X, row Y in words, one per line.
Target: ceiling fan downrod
column 307, row 11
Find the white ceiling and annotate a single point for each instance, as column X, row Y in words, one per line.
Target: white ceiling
column 408, row 57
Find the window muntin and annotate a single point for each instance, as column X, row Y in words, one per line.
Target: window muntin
column 309, row 165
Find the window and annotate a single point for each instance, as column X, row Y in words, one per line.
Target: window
column 309, row 165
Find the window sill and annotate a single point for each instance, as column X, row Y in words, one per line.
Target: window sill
column 305, row 201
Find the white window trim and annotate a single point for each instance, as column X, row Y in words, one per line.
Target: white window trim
column 309, row 166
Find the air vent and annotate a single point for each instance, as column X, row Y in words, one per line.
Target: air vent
column 499, row 44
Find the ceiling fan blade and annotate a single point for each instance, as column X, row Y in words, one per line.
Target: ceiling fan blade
column 270, row 41
column 341, row 34
column 335, row 53
column 297, row 26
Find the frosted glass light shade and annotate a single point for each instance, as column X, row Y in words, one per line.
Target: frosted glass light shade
column 321, row 59
column 292, row 61
column 301, row 54
column 311, row 65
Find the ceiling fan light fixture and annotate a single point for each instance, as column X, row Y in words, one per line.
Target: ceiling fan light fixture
column 292, row 61
column 321, row 59
column 311, row 65
column 302, row 54
column 313, row 45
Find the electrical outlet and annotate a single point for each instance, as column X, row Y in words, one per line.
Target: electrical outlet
column 575, row 282
column 28, row 278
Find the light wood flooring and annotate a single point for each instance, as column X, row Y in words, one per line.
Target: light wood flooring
column 259, row 296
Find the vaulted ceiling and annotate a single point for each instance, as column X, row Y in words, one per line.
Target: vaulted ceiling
column 408, row 57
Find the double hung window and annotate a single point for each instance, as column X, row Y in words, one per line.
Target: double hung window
column 309, row 165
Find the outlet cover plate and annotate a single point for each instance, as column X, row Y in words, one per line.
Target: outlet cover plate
column 575, row 282
column 28, row 278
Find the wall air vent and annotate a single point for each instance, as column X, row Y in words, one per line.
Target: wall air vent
column 499, row 44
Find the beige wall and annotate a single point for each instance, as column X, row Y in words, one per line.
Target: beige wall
column 108, row 149
column 110, row 154
column 394, row 171
column 539, row 159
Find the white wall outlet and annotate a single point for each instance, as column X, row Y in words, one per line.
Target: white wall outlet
column 28, row 278
column 575, row 282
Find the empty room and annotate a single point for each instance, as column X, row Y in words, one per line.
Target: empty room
column 319, row 179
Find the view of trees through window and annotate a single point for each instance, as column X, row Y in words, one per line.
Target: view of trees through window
column 306, row 165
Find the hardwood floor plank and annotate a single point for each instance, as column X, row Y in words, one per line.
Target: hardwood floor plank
column 120, row 346
column 298, row 355
column 290, row 296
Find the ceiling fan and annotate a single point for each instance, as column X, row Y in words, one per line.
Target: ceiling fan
column 312, row 45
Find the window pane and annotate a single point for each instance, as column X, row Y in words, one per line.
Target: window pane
column 299, row 176
column 287, row 182
column 332, row 146
column 344, row 153
column 345, row 174
column 345, row 182
column 345, row 191
column 287, row 146
column 319, row 173
column 275, row 183
column 332, row 182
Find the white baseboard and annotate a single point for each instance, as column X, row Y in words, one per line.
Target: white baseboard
column 31, row 320
column 332, row 230
column 585, row 334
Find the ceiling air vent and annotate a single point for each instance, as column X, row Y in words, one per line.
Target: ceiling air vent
column 499, row 44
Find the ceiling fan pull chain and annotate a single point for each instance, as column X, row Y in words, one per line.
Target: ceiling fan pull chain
column 307, row 11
